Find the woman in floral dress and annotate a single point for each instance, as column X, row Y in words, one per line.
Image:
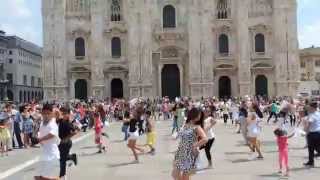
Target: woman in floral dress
column 192, row 137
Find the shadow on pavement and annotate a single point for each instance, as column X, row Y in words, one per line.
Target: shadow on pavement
column 88, row 154
column 88, row 147
column 242, row 160
column 121, row 164
column 117, row 141
column 236, row 153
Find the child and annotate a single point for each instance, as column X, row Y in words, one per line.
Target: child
column 4, row 133
column 98, row 132
column 151, row 134
column 27, row 126
column 282, row 141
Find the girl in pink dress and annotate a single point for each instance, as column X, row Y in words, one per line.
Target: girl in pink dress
column 282, row 141
column 98, row 132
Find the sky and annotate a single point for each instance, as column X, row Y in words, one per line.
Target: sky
column 23, row 18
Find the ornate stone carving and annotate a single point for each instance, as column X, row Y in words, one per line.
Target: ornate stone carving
column 79, row 33
column 223, row 9
column 260, row 8
column 116, row 10
column 169, row 53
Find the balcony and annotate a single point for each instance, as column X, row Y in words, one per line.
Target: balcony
column 224, row 57
column 256, row 56
column 169, row 34
column 79, row 57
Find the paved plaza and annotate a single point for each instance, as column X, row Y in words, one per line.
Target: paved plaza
column 230, row 159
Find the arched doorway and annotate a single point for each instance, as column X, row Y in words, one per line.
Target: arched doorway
column 10, row 95
column 170, row 81
column 116, row 88
column 81, row 89
column 261, row 85
column 224, row 87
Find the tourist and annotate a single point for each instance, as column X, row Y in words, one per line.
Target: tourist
column 133, row 136
column 66, row 131
column 27, row 126
column 209, row 123
column 312, row 128
column 125, row 125
column 98, row 132
column 8, row 109
column 253, row 131
column 282, row 142
column 274, row 109
column 49, row 164
column 5, row 136
column 175, row 127
column 225, row 112
column 243, row 115
column 17, row 124
column 151, row 134
column 192, row 137
column 292, row 113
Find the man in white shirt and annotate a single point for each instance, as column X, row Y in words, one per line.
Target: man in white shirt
column 312, row 128
column 49, row 165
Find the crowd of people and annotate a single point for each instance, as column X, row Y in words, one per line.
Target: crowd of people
column 52, row 125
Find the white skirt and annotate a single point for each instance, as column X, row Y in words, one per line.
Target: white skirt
column 133, row 135
column 49, row 169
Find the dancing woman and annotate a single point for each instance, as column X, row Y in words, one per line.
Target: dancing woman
column 133, row 136
column 253, row 131
column 192, row 138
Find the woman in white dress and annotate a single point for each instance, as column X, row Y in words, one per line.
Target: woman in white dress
column 254, row 130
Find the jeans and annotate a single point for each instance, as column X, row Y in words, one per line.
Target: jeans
column 273, row 114
column 125, row 131
column 17, row 134
column 175, row 125
column 64, row 149
column 313, row 139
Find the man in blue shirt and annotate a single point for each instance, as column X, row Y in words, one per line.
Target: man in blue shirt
column 17, row 128
column 313, row 132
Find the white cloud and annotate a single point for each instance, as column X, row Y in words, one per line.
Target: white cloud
column 309, row 35
column 15, row 9
column 26, row 32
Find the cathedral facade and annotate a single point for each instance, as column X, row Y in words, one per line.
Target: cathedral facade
column 155, row 48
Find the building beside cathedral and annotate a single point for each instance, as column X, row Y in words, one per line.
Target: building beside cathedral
column 150, row 48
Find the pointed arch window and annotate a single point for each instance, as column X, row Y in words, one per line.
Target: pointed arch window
column 260, row 43
column 116, row 47
column 222, row 9
column 116, row 10
column 223, row 44
column 169, row 17
column 80, row 50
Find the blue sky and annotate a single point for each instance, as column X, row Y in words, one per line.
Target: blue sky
column 23, row 18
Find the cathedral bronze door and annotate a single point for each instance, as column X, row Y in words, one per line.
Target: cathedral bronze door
column 81, row 89
column 170, row 81
column 116, row 88
column 261, row 85
column 224, row 87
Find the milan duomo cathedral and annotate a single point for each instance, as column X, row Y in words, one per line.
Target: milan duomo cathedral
column 155, row 48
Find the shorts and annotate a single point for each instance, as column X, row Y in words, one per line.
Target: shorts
column 151, row 138
column 133, row 135
column 49, row 169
